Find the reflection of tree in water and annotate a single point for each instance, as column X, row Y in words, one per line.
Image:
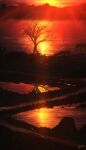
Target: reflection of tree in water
column 40, row 88
column 45, row 88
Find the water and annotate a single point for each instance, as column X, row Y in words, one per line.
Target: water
column 50, row 117
column 44, row 117
column 61, row 35
column 23, row 88
column 20, row 88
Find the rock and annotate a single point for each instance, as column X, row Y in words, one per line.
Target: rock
column 65, row 129
column 82, row 134
column 44, row 131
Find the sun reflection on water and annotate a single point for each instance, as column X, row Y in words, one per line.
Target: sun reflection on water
column 44, row 48
column 50, row 117
column 43, row 116
column 46, row 88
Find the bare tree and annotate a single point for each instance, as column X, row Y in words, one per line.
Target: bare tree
column 37, row 34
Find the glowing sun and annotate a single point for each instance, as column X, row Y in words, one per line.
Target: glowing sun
column 44, row 48
column 52, row 2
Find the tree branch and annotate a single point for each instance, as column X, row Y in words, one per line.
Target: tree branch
column 43, row 40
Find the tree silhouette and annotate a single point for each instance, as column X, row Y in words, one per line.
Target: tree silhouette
column 37, row 34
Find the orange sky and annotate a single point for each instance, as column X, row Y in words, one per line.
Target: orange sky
column 59, row 3
column 71, row 32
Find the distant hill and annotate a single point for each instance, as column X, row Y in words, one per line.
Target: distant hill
column 24, row 11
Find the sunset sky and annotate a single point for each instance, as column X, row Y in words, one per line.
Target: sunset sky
column 71, row 32
column 51, row 2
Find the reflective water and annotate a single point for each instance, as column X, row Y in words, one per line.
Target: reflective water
column 23, row 88
column 46, row 88
column 50, row 117
column 18, row 88
column 45, row 117
column 62, row 34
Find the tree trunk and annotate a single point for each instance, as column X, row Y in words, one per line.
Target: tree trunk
column 35, row 49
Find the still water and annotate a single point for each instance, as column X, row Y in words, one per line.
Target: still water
column 61, row 35
column 23, row 88
column 50, row 117
column 45, row 117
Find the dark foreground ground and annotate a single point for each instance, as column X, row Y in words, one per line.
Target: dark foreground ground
column 62, row 137
column 17, row 135
column 18, row 141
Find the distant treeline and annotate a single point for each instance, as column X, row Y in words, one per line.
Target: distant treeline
column 64, row 64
